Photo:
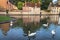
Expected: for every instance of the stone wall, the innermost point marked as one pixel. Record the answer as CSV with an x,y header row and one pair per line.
x,y
5,5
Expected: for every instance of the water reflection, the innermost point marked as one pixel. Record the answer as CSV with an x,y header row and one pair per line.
x,y
13,34
17,33
5,28
20,31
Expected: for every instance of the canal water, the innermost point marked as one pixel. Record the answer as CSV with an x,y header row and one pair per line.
x,y
42,33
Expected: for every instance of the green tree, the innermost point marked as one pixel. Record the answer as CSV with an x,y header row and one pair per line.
x,y
35,1
26,0
20,5
45,4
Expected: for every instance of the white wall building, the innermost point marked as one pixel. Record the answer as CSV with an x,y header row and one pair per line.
x,y
55,9
30,9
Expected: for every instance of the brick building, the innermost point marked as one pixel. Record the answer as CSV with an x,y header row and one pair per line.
x,y
6,5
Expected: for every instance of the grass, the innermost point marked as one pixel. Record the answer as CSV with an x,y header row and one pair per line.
x,y
4,18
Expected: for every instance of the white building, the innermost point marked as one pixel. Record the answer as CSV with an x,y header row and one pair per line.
x,y
30,9
55,9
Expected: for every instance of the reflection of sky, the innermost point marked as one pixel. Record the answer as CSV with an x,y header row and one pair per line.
x,y
45,34
42,34
13,34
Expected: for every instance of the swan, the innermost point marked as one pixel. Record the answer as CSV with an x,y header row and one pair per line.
x,y
11,23
31,34
45,25
53,32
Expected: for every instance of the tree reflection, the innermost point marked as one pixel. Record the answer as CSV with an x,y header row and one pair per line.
x,y
31,26
5,28
19,22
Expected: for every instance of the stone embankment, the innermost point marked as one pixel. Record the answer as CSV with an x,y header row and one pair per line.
x,y
32,17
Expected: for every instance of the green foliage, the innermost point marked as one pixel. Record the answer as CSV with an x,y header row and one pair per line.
x,y
31,26
20,5
19,22
45,4
34,1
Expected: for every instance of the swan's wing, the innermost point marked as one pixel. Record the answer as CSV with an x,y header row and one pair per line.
x,y
32,34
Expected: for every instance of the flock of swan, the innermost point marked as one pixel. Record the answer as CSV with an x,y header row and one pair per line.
x,y
33,34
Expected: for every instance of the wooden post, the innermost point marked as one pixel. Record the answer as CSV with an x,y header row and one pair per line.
x,y
59,14
40,16
7,13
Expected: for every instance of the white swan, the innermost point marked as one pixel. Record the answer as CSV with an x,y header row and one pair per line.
x,y
31,34
45,25
11,23
53,32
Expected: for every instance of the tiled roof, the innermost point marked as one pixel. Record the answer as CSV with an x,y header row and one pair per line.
x,y
55,5
30,4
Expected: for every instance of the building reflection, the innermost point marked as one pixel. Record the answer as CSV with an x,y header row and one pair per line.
x,y
30,27
5,28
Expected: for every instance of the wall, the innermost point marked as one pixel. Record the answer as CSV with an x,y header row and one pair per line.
x,y
3,3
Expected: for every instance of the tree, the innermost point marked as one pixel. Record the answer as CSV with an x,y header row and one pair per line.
x,y
13,2
20,5
35,1
26,0
45,4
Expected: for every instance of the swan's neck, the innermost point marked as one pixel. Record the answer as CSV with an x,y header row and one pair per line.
x,y
28,32
47,23
11,23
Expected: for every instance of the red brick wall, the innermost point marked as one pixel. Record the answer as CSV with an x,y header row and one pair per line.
x,y
3,3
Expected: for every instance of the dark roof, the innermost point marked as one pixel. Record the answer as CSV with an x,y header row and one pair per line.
x,y
58,6
55,5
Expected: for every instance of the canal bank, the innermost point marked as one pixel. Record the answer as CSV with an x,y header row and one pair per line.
x,y
32,17
6,23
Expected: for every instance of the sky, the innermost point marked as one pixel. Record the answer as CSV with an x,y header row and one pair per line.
x,y
54,0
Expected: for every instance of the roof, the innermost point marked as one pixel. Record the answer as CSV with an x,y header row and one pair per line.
x,y
57,5
30,4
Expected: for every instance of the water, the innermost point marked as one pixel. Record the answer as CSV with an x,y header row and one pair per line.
x,y
17,33
59,21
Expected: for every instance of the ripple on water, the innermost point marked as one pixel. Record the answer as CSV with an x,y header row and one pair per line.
x,y
42,34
